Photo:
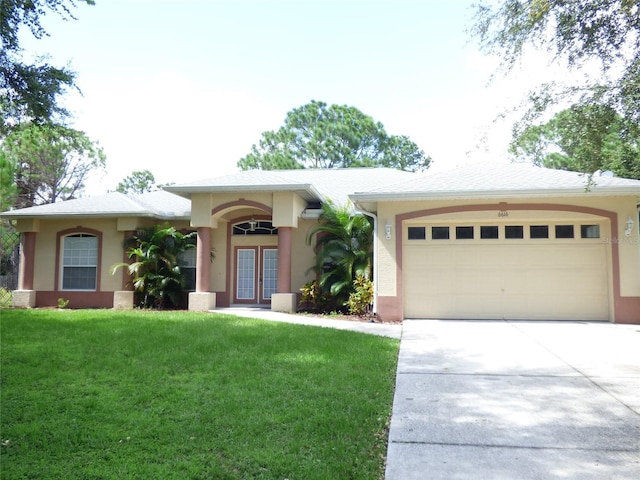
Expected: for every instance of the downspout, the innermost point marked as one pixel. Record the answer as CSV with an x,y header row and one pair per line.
x,y
375,257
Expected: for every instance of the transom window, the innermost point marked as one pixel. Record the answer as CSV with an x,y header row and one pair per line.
x,y
79,262
564,231
440,233
590,231
558,231
539,231
464,233
255,227
513,232
488,232
417,233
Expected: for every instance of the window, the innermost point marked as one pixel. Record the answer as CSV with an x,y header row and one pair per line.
x,y
488,231
590,231
79,262
187,263
255,227
464,233
513,231
564,231
539,231
440,233
417,233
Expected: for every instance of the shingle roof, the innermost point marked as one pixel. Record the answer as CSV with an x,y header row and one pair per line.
x,y
499,180
310,184
360,184
159,204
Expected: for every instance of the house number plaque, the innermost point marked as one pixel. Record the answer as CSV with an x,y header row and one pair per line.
x,y
503,213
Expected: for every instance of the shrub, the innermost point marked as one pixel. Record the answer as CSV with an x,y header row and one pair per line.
x,y
361,299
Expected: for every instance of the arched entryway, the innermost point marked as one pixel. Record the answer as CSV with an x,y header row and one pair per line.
x,y
254,262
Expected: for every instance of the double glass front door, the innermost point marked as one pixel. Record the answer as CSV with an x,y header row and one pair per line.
x,y
256,274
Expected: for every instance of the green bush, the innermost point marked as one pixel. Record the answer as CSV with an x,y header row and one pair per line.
x,y
361,299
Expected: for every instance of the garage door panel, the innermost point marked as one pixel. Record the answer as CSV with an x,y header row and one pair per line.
x,y
526,280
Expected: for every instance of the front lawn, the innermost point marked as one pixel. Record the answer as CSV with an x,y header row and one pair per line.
x,y
99,394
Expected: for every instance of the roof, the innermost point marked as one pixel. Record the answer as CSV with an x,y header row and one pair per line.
x,y
493,180
311,184
362,185
160,204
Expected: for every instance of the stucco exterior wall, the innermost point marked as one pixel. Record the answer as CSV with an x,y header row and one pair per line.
x,y
48,257
219,241
303,256
46,244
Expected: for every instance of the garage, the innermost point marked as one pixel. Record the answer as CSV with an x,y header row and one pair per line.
x,y
539,270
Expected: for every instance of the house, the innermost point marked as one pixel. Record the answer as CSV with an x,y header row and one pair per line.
x,y
487,241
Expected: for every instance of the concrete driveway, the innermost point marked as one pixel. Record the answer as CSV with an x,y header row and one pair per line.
x,y
516,400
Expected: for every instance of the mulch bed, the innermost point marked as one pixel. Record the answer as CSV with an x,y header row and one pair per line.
x,y
350,318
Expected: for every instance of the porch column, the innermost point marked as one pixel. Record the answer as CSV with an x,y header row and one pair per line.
x,y
25,296
284,259
203,260
124,299
285,300
27,260
202,300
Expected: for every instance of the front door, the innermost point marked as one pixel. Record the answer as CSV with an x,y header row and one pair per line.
x,y
256,274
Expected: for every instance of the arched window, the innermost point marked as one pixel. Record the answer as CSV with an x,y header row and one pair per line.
x,y
79,261
255,227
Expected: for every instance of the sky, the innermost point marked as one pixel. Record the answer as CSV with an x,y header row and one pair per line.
x,y
184,88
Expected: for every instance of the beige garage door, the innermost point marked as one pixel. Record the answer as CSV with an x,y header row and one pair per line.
x,y
494,278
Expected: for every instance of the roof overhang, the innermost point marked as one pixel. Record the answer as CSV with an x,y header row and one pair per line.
x,y
369,200
306,191
10,215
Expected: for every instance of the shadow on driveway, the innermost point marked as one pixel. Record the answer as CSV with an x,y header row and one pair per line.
x,y
516,400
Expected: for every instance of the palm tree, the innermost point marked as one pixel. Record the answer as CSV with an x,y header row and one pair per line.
x,y
344,250
156,274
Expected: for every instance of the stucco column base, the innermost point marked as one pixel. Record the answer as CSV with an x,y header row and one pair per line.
x,y
284,302
202,301
123,300
24,298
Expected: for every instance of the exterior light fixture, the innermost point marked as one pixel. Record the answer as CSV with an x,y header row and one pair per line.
x,y
387,231
629,224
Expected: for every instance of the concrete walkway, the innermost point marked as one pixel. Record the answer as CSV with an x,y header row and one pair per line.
x,y
516,400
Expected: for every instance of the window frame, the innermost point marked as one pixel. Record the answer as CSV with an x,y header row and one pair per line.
x,y
440,228
585,228
187,261
539,228
415,229
561,231
60,263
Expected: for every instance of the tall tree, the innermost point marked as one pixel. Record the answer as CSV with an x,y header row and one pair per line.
x,y
582,139
338,136
8,187
139,181
30,91
49,162
576,33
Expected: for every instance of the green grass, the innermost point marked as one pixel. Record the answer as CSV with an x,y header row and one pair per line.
x,y
90,394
